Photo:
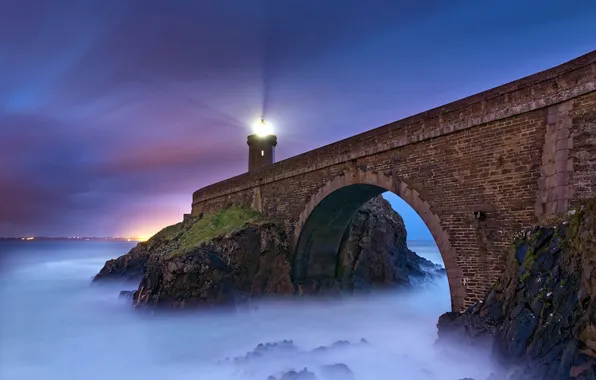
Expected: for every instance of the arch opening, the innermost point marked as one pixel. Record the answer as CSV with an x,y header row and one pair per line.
x,y
327,216
318,245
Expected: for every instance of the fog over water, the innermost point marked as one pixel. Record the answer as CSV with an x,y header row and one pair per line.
x,y
56,325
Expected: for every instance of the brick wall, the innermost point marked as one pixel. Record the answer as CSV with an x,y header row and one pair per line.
x,y
518,152
583,149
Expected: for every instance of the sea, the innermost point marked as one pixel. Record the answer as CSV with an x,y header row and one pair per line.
x,y
56,324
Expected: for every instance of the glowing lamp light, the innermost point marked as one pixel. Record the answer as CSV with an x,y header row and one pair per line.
x,y
262,129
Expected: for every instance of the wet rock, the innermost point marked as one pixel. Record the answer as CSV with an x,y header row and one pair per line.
x,y
540,316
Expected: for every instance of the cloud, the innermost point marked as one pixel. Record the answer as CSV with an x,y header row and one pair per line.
x,y
113,112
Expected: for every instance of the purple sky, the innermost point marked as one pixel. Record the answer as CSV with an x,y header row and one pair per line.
x,y
112,112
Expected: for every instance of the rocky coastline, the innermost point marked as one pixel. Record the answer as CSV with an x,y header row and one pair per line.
x,y
237,255
539,320
335,371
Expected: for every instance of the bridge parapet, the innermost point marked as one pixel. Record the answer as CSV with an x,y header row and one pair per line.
x,y
540,90
513,155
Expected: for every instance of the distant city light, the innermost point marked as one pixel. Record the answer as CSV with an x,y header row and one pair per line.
x,y
262,129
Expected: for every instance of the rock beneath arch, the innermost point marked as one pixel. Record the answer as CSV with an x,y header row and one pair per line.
x,y
237,254
374,252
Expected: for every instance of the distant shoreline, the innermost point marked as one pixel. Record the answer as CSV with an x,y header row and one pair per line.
x,y
30,239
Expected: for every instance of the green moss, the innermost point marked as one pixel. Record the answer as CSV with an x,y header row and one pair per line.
x,y
529,259
168,233
542,294
214,225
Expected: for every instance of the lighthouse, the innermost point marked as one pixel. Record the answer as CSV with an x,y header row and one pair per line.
x,y
261,146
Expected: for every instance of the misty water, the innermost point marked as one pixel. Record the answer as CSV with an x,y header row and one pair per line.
x,y
56,325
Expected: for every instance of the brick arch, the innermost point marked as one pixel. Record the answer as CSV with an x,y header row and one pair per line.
x,y
351,191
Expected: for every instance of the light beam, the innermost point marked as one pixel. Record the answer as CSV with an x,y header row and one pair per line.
x,y
262,129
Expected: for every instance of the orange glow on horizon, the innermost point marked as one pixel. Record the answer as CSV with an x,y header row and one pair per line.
x,y
144,227
138,238
145,233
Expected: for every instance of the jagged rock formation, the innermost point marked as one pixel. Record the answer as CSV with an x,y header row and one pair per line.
x,y
305,374
127,268
131,266
227,257
336,371
540,317
373,250
250,261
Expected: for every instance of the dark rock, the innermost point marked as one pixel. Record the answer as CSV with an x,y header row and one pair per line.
x,y
373,251
262,349
126,294
226,270
519,331
520,253
131,266
339,344
541,313
305,374
126,268
338,371
179,269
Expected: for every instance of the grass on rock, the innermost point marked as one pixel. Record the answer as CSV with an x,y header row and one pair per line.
x,y
213,225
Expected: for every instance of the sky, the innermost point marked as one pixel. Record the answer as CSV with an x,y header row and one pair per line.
x,y
112,112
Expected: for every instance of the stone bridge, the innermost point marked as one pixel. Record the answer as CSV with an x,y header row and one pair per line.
x,y
476,171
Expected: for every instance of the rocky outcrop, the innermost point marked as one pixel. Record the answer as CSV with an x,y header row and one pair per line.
x,y
337,371
287,348
305,374
131,266
248,262
127,268
540,318
374,251
237,254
